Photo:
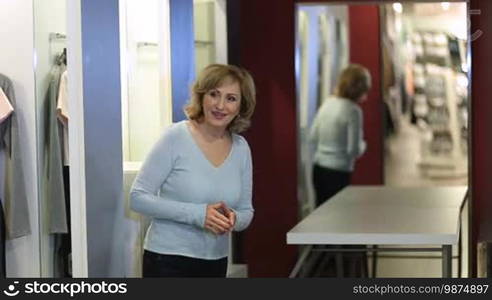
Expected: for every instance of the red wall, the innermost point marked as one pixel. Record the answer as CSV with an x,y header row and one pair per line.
x,y
266,38
365,49
481,165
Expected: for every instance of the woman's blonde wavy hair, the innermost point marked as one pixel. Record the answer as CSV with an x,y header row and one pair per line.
x,y
214,76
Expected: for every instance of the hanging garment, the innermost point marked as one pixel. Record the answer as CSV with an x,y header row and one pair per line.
x,y
57,151
15,198
63,242
3,260
53,179
62,113
6,110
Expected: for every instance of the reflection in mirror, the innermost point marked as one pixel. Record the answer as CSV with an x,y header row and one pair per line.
x,y
146,93
321,54
426,94
52,131
426,97
416,116
204,31
19,232
210,32
146,106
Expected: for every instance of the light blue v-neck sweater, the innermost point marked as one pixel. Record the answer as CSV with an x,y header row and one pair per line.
x,y
174,186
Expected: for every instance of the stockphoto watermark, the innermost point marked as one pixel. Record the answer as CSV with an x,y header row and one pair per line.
x,y
66,288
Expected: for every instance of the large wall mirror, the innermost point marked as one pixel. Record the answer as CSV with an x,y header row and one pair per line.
x,y
50,45
416,116
150,68
19,252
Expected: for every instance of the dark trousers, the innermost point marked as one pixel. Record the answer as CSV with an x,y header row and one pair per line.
x,y
327,182
163,265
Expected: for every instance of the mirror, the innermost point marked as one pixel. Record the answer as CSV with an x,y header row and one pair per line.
x,y
417,113
50,44
147,81
19,253
145,107
321,53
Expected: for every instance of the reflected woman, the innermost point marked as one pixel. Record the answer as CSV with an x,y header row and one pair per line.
x,y
196,183
337,133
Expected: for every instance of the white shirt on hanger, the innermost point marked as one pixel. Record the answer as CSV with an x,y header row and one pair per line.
x,y
62,111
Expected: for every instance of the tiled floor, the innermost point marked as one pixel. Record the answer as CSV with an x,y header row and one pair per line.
x,y
401,169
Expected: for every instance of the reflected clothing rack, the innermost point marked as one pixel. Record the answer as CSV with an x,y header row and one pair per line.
x,y
16,221
147,44
57,36
55,179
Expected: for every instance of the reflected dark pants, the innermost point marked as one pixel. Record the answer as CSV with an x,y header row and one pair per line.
x,y
63,241
327,182
163,265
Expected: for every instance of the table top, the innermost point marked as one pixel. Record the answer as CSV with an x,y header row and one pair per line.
x,y
381,215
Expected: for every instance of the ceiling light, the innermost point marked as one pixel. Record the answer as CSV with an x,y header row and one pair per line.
x,y
398,7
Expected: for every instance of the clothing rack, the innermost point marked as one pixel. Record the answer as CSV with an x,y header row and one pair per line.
x,y
152,44
147,44
204,43
57,36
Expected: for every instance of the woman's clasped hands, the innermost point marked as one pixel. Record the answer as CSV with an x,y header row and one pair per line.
x,y
219,218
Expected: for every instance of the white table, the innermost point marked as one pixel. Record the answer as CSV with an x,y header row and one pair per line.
x,y
380,215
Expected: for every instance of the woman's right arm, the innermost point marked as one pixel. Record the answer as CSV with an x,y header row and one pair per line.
x,y
314,134
144,193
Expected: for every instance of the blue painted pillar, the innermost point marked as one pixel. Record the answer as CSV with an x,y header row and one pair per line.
x,y
102,128
182,54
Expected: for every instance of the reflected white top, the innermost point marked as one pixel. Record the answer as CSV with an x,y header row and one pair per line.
x,y
337,135
174,186
62,112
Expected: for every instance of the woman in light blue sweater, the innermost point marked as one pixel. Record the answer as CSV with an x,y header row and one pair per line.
x,y
337,133
196,183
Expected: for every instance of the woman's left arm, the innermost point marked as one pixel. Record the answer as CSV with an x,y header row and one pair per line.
x,y
244,210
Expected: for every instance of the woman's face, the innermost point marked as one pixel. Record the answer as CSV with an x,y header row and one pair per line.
x,y
222,104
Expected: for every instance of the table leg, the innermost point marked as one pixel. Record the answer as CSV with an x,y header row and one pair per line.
x,y
300,262
446,261
339,264
374,260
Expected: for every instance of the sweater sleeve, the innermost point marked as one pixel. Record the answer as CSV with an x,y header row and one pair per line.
x,y
244,210
356,144
144,196
314,133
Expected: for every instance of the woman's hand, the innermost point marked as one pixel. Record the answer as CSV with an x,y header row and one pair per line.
x,y
231,215
218,218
